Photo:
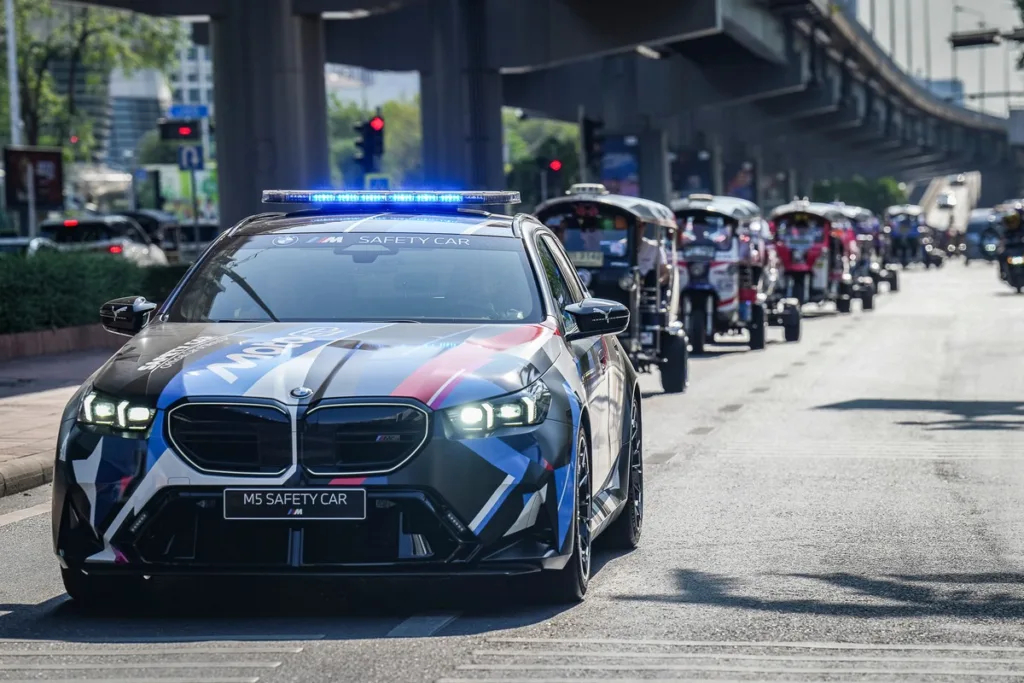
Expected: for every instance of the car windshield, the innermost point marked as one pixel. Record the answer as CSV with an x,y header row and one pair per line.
x,y
323,277
593,233
705,227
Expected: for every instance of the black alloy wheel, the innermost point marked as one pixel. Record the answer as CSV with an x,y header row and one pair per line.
x,y
625,532
569,584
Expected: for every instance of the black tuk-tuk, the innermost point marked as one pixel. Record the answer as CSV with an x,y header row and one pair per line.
x,y
625,250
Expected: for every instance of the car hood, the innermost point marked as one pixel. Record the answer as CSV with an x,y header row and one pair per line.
x,y
437,364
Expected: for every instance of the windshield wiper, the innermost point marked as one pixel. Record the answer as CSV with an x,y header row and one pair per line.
x,y
240,281
418,322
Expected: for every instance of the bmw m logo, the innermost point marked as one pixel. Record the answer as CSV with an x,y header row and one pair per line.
x,y
388,438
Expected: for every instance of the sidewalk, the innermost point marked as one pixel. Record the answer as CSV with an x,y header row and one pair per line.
x,y
33,393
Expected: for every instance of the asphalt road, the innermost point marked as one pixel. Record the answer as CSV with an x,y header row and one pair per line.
x,y
849,508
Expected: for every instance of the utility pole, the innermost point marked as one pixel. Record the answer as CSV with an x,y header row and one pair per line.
x,y
910,42
927,43
892,29
872,18
12,72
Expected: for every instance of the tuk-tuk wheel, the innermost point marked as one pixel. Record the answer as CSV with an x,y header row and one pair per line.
x,y
791,324
698,332
868,301
674,365
843,304
894,281
757,328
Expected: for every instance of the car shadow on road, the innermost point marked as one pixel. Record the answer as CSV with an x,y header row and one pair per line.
x,y
991,596
252,608
954,415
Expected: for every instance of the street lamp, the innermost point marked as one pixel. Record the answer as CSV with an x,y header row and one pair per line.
x,y
979,38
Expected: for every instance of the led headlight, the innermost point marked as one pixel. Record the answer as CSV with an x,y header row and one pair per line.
x,y
105,411
1015,260
522,409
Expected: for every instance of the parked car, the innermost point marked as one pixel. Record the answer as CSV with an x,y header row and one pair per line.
x,y
958,180
117,235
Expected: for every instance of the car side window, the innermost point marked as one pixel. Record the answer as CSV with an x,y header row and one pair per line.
x,y
572,278
557,282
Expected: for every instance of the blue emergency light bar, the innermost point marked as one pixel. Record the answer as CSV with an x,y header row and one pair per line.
x,y
392,198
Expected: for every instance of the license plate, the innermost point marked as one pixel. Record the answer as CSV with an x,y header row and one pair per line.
x,y
270,504
587,259
699,253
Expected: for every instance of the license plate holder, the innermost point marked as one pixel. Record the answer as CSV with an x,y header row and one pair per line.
x,y
270,504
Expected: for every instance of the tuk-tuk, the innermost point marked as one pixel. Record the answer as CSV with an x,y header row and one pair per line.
x,y
728,273
812,240
616,243
911,238
870,261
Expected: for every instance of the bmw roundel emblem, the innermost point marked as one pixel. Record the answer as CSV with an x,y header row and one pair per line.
x,y
285,240
302,392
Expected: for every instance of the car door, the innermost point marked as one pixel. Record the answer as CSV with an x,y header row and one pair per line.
x,y
591,355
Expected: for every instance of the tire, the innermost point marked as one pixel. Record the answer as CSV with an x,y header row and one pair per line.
x,y
103,592
868,301
792,325
625,531
843,304
699,333
673,369
894,282
757,328
569,584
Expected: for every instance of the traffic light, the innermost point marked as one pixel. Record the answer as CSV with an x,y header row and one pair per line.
x,y
593,142
180,130
370,143
555,165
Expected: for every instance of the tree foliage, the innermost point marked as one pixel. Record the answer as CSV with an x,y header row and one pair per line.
x,y
152,150
874,194
65,52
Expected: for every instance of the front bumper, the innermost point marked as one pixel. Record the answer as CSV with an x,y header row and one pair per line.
x,y
496,505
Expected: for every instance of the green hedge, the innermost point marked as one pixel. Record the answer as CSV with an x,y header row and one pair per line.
x,y
50,291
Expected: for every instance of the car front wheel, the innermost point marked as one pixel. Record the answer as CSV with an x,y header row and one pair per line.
x,y
569,584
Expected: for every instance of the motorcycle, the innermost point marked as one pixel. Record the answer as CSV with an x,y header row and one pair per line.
x,y
1012,267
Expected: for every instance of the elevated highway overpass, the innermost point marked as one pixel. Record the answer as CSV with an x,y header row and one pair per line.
x,y
799,89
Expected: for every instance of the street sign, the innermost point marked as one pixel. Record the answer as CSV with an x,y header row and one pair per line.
x,y
190,158
377,181
188,111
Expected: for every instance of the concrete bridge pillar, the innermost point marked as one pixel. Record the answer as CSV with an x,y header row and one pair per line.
x,y
270,100
655,175
461,98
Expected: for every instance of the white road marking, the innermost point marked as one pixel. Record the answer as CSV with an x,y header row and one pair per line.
x,y
27,513
605,654
154,652
422,626
769,456
247,679
765,644
148,665
198,638
580,666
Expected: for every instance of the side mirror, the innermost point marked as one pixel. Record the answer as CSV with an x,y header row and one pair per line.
x,y
126,316
595,317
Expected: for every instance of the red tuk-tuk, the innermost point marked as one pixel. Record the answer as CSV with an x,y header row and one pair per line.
x,y
816,246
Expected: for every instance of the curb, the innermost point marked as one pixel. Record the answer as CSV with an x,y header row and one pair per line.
x,y
22,474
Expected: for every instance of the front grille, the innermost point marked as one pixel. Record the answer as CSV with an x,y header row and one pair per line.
x,y
187,528
348,439
243,439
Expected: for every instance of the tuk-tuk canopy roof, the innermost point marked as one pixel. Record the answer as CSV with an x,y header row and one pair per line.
x,y
731,206
904,210
827,211
856,213
648,210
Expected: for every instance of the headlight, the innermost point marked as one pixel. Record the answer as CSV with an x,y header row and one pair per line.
x,y
627,282
104,411
522,409
1015,260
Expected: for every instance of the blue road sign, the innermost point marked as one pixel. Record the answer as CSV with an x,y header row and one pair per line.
x,y
190,157
188,111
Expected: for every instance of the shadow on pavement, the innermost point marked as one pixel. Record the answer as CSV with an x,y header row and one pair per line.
x,y
964,415
867,597
43,373
256,608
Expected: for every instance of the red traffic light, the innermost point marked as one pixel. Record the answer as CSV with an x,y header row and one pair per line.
x,y
377,123
74,139
184,131
555,165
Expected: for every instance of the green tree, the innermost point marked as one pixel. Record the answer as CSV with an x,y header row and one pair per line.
x,y
403,142
874,194
78,42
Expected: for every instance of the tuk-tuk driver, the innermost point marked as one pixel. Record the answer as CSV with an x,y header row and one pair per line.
x,y
650,256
